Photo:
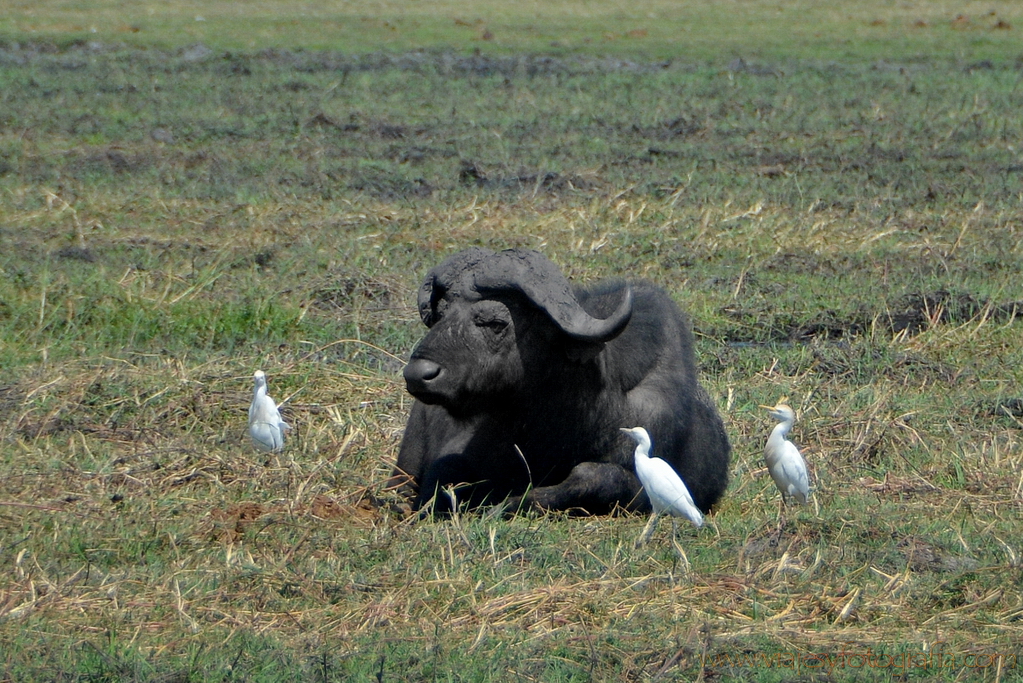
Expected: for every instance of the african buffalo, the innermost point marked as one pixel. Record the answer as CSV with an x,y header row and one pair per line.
x,y
523,382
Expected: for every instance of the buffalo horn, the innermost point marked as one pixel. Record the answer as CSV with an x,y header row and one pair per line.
x,y
531,273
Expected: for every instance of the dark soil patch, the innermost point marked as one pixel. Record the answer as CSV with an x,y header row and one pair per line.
x,y
77,254
472,173
263,258
1008,407
382,185
32,428
323,121
808,263
389,131
927,557
419,154
924,556
910,314
828,326
108,161
679,127
916,311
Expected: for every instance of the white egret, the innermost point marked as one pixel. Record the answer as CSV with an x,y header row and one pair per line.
x,y
784,462
665,489
265,424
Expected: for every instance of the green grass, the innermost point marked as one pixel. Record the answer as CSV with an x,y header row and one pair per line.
x,y
652,29
839,214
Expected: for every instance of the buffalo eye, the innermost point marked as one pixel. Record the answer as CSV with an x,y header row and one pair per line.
x,y
495,326
491,317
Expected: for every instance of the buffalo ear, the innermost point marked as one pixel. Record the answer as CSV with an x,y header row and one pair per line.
x,y
581,352
430,293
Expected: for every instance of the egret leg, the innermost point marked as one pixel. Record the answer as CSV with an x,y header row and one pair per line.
x,y
648,530
686,567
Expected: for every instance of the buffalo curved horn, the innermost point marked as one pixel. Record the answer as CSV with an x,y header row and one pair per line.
x,y
531,273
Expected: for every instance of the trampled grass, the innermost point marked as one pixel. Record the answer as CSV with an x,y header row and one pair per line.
x,y
846,234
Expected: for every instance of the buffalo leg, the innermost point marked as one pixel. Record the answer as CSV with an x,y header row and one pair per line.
x,y
455,473
595,487
459,473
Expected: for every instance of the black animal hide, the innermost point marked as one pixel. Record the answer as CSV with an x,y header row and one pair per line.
x,y
522,383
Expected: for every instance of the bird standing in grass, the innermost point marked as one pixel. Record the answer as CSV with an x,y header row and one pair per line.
x,y
784,462
265,424
665,489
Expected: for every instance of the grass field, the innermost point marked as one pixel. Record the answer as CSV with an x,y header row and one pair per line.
x,y
835,196
649,29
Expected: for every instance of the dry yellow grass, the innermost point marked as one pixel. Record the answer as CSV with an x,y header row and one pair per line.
x,y
166,527
142,538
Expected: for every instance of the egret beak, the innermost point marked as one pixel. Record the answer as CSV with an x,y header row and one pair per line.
x,y
783,399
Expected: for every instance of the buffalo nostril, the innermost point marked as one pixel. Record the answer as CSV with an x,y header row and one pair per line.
x,y
429,370
421,371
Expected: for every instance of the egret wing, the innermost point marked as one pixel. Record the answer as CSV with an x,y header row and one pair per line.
x,y
266,436
670,492
265,424
793,470
264,410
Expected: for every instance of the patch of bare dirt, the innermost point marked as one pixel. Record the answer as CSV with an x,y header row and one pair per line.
x,y
473,173
927,557
910,314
